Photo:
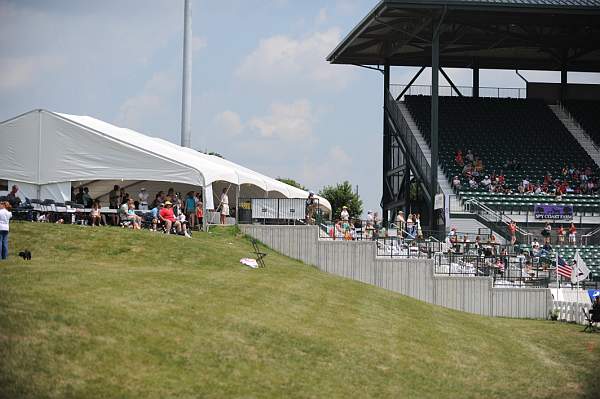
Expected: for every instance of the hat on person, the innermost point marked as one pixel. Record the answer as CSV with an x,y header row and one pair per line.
x,y
168,203
311,193
142,189
344,207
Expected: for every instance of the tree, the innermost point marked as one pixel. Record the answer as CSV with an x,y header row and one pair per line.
x,y
291,182
339,195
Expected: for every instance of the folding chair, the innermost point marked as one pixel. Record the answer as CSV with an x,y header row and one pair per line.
x,y
590,319
259,255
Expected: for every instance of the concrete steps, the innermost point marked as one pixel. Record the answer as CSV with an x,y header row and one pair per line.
x,y
577,131
442,178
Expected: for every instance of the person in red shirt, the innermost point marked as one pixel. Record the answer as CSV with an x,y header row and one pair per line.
x,y
572,234
459,158
512,229
167,216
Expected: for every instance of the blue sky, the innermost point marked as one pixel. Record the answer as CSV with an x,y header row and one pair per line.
x,y
263,94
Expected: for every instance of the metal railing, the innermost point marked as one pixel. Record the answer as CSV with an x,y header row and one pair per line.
x,y
591,238
467,91
506,270
400,125
496,218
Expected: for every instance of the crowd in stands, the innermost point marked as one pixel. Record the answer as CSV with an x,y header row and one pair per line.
x,y
571,180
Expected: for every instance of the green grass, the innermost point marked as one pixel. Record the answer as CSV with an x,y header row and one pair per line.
x,y
113,313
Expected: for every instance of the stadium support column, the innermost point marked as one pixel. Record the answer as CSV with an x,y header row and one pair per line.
x,y
563,83
475,82
435,66
387,152
186,102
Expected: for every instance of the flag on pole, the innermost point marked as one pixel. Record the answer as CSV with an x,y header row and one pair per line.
x,y
563,268
580,269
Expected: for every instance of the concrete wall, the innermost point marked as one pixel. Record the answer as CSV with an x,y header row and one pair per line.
x,y
411,277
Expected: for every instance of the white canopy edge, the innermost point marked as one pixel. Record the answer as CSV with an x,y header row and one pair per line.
x,y
208,167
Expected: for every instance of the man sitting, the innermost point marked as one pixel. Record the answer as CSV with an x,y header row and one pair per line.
x,y
167,216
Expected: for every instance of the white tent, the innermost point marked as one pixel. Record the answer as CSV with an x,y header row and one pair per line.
x,y
45,152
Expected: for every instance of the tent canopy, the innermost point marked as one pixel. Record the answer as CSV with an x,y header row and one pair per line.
x,y
42,148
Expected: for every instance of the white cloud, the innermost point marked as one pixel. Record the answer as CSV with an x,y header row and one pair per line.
x,y
290,122
339,156
150,103
283,59
228,123
20,72
321,16
198,43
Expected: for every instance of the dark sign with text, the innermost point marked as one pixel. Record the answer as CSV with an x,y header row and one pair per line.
x,y
554,212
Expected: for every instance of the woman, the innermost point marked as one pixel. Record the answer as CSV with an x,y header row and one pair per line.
x,y
410,226
546,232
190,209
95,216
5,217
224,206
418,226
572,234
561,235
132,217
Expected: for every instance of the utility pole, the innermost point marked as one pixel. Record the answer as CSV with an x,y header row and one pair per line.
x,y
186,101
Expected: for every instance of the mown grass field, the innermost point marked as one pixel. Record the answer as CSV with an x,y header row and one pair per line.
x,y
112,313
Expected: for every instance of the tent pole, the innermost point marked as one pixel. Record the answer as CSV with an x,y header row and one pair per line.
x,y
204,214
237,204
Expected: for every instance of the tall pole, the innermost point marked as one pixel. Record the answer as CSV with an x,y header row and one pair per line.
x,y
386,144
435,66
186,101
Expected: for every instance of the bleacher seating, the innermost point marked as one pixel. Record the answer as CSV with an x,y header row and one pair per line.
x,y
586,113
501,129
590,255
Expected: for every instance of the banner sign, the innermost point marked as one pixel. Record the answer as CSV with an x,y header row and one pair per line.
x,y
593,294
555,212
278,208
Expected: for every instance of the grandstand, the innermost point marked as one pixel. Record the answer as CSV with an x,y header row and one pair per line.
x,y
540,145
586,113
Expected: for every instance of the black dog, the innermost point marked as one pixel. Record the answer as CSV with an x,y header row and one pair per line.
x,y
26,255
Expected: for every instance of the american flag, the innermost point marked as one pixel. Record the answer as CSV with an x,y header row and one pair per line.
x,y
563,268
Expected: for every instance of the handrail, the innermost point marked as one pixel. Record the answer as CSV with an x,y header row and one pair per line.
x,y
400,124
499,217
484,91
578,125
586,237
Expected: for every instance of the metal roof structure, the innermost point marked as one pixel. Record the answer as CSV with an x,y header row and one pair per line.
x,y
493,34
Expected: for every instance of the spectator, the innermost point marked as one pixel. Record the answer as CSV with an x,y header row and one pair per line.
x,y
123,211
114,199
525,183
486,182
153,216
199,213
469,157
344,214
190,208
400,223
546,233
143,199
5,216
310,205
473,183
418,226
15,197
158,199
167,216
561,235
95,215
79,196
135,220
459,158
572,234
456,183
410,226
224,205
512,230
86,199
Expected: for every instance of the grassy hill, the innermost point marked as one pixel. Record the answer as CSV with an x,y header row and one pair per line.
x,y
107,312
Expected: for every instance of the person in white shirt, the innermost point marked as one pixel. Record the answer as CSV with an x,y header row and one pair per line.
x,y
5,217
486,182
525,184
143,200
344,214
224,206
456,182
